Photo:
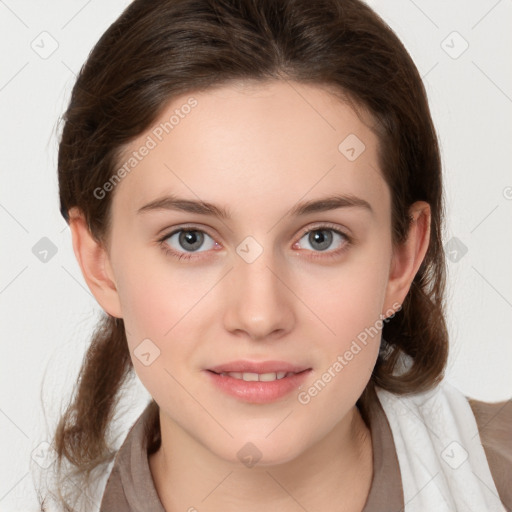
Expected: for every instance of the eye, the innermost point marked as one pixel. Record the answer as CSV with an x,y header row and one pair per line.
x,y
183,243
187,240
321,238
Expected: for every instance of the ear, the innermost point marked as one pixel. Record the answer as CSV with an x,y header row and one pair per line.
x,y
94,262
407,257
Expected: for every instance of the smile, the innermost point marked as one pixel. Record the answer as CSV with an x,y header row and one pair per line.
x,y
258,388
253,377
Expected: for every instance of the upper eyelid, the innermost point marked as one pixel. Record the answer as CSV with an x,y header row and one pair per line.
x,y
319,225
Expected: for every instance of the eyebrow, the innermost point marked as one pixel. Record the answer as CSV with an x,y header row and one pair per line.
x,y
204,208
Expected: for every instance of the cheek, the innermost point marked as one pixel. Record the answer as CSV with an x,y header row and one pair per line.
x,y
350,308
143,301
349,303
157,295
347,299
156,321
163,304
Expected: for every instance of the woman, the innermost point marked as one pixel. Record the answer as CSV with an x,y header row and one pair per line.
x,y
254,191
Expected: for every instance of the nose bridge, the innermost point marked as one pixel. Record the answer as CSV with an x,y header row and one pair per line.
x,y
259,301
255,271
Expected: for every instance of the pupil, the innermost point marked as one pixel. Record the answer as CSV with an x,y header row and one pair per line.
x,y
191,238
318,237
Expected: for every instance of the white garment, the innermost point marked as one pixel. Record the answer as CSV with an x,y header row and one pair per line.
x,y
440,454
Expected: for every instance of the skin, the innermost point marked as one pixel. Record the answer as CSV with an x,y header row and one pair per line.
x,y
256,149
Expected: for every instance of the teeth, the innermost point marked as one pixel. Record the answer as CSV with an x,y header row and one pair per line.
x,y
267,377
253,377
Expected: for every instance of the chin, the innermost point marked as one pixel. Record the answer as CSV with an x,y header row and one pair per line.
x,y
255,451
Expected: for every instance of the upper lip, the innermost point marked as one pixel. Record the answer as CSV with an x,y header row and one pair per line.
x,y
258,367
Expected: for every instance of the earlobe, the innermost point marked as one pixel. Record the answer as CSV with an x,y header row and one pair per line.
x,y
94,264
408,257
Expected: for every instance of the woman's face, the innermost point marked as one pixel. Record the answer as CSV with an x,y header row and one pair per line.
x,y
272,281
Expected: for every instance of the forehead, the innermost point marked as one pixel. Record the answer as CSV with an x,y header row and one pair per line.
x,y
253,144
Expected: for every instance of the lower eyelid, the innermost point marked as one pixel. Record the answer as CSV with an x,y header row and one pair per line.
x,y
178,231
344,238
178,254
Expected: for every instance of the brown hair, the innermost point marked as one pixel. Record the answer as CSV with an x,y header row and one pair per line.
x,y
157,50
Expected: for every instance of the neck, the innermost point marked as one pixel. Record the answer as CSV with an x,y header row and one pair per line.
x,y
193,478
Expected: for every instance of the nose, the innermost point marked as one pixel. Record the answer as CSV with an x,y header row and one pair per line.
x,y
259,302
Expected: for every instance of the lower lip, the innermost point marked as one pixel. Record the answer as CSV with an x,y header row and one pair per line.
x,y
255,391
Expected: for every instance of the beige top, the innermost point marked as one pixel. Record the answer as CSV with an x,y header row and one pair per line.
x,y
130,486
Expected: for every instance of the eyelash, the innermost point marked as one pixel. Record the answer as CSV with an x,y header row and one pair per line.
x,y
323,255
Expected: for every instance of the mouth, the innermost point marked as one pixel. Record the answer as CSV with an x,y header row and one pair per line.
x,y
251,371
258,382
258,377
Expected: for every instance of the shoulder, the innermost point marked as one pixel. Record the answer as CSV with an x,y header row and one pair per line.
x,y
494,421
130,486
114,497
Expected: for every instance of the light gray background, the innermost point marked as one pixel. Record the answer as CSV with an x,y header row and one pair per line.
x,y
47,311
